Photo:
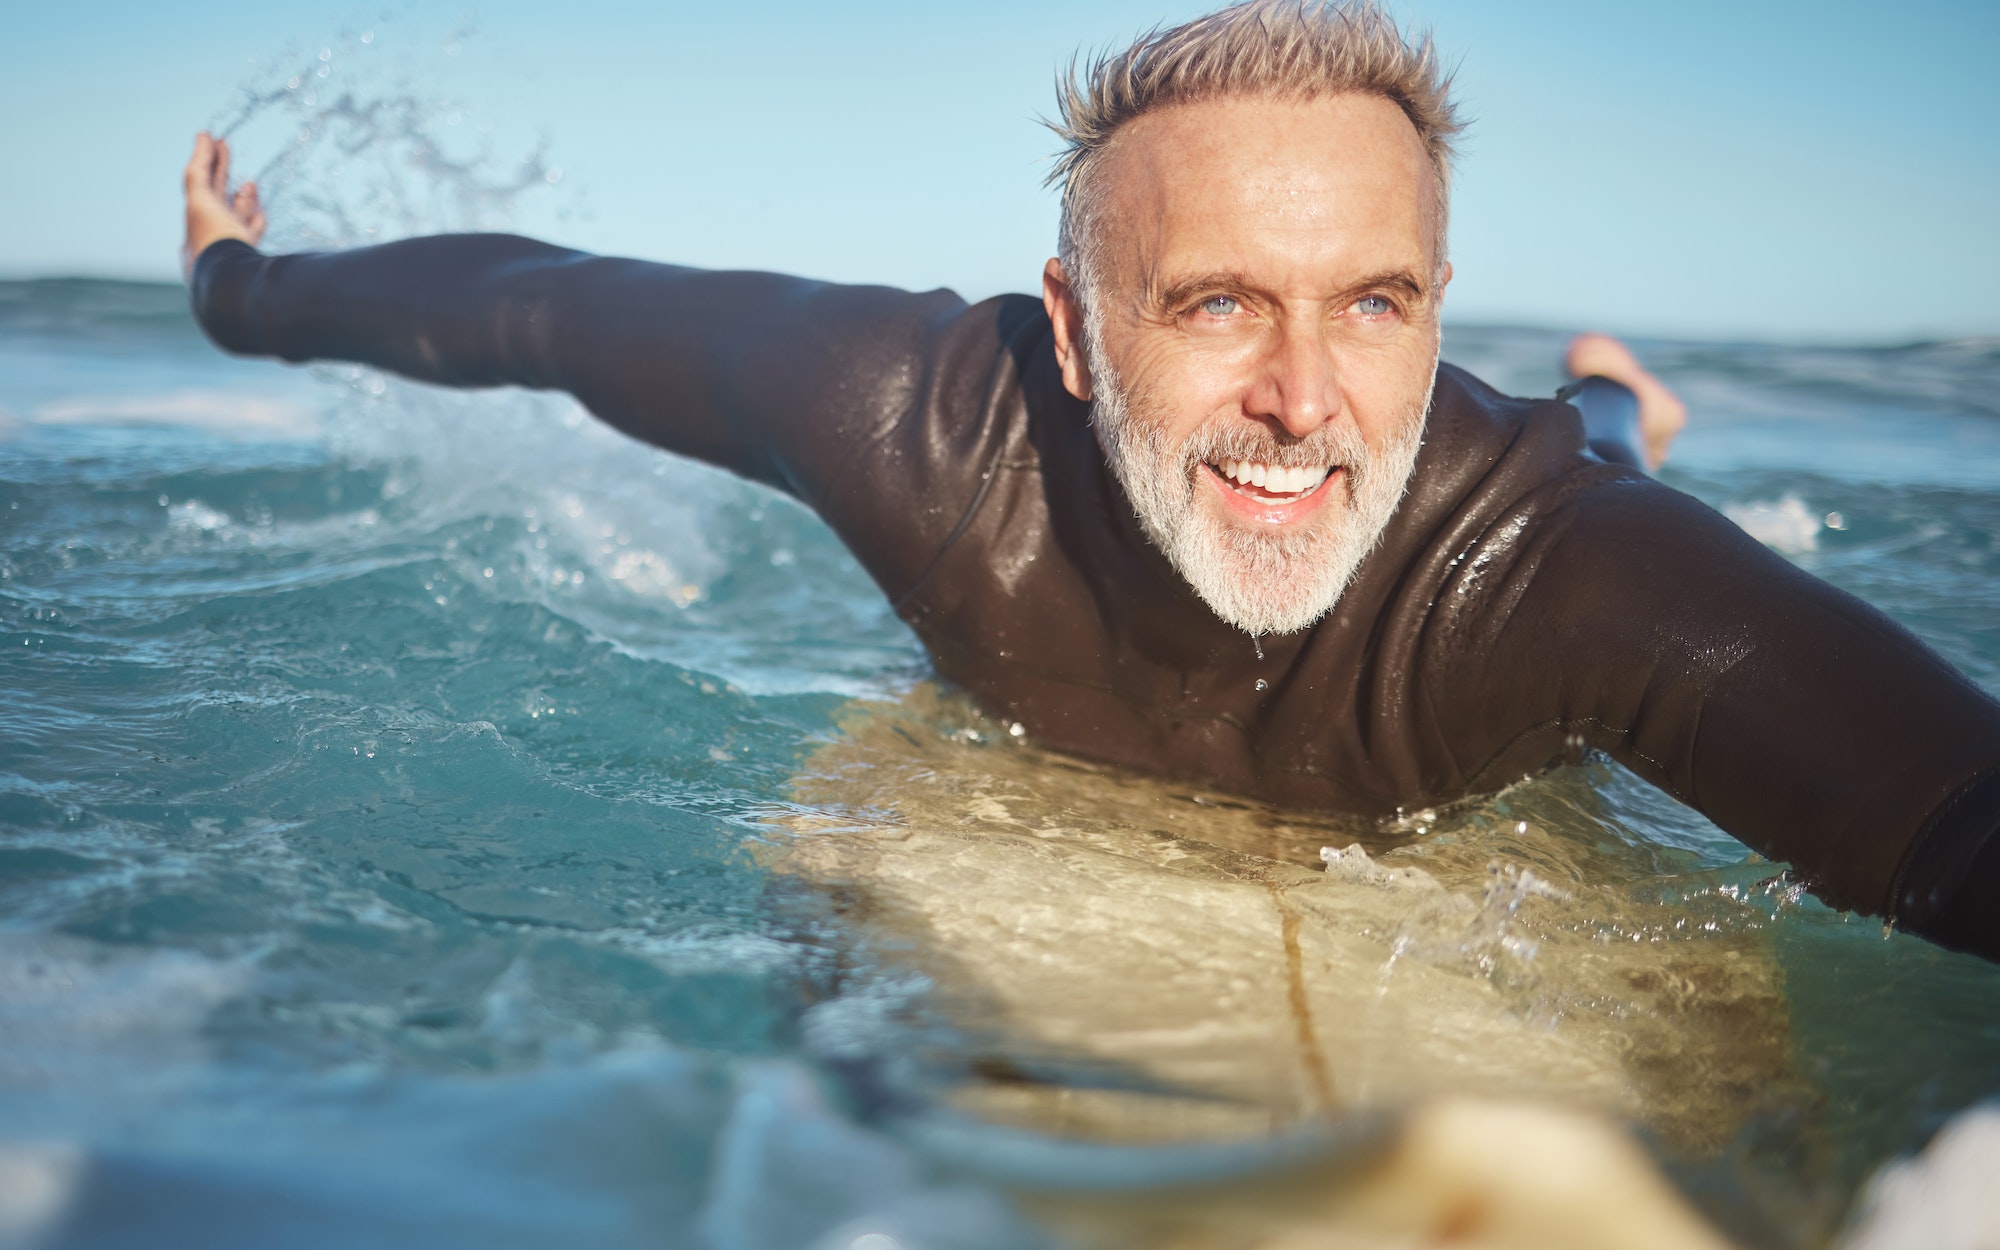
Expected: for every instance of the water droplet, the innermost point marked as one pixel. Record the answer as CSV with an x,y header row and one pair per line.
x,y
554,175
368,36
1017,729
1835,521
326,54
1262,684
1257,644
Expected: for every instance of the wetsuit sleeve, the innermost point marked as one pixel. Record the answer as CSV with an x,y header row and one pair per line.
x,y
1799,719
779,379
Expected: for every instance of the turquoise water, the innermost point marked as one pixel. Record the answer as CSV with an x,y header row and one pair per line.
x,y
382,773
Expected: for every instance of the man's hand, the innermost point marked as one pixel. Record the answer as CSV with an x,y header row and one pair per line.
x,y
212,211
1661,413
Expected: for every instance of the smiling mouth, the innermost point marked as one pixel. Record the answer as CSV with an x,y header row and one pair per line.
x,y
1270,483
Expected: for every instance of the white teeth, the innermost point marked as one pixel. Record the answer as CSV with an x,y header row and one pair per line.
x,y
1278,481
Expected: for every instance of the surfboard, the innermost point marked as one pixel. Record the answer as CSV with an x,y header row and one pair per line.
x,y
1127,959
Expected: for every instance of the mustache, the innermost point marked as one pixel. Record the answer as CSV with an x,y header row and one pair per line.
x,y
1331,444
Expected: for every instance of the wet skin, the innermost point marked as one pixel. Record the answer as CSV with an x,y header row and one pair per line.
x,y
1268,265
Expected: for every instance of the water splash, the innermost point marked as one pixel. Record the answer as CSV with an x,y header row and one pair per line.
x,y
1446,930
1786,525
352,143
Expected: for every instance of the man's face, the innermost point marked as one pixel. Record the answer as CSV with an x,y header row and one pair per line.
x,y
1263,339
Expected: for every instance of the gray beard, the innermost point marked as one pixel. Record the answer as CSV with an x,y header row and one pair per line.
x,y
1274,583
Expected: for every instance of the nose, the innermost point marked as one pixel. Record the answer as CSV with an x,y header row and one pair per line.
x,y
1298,381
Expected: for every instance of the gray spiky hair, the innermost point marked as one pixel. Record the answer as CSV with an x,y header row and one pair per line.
x,y
1283,49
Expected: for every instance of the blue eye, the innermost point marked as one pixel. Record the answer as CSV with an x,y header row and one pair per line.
x,y
1219,305
1373,306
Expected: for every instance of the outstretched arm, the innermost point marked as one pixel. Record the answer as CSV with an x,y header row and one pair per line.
x,y
1796,717
779,379
863,402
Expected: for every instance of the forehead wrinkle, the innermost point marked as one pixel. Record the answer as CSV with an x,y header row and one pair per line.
x,y
1147,166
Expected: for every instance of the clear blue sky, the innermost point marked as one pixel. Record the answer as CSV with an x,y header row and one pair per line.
x,y
1825,170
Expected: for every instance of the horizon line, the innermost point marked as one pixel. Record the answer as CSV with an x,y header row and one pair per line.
x,y
1476,321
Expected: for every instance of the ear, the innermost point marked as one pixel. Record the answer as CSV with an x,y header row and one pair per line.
x,y
1066,315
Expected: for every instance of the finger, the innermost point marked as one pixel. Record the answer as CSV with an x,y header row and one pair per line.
x,y
219,180
251,214
1664,418
250,211
195,176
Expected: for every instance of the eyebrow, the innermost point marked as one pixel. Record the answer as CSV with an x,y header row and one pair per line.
x,y
1181,292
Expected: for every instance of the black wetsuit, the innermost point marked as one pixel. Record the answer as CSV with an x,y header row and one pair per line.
x,y
1529,600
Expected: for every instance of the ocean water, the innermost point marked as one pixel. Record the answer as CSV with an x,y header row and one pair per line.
x,y
431,819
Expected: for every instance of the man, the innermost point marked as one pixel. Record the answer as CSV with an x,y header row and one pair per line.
x,y
1212,507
